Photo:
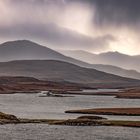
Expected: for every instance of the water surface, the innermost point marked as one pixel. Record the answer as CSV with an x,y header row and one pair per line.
x,y
32,106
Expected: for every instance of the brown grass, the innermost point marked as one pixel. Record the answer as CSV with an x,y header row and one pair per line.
x,y
128,95
108,111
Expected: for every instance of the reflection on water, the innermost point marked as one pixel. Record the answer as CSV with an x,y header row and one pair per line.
x,y
101,90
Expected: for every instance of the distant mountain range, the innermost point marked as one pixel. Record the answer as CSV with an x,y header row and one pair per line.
x,y
109,58
28,50
117,71
60,71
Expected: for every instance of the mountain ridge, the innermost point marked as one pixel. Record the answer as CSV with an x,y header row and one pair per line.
x,y
58,70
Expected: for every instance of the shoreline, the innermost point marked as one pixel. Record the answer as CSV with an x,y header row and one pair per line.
x,y
80,121
108,111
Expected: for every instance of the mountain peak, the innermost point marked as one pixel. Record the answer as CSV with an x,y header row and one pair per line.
x,y
115,53
26,49
110,52
17,42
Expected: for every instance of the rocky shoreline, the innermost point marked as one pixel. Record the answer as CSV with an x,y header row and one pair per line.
x,y
80,121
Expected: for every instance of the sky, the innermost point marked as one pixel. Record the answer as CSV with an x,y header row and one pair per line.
x,y
91,25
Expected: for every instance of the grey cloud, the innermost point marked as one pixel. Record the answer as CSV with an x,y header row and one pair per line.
x,y
37,2
107,12
57,36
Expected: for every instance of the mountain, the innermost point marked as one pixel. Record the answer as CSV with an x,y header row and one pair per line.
x,y
28,50
59,71
109,58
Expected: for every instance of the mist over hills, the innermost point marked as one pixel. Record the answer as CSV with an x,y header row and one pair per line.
x,y
109,58
28,50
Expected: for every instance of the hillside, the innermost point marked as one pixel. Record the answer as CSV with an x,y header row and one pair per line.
x,y
19,79
117,71
58,71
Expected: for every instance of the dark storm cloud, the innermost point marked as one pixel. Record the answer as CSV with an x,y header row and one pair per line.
x,y
117,12
57,36
114,12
